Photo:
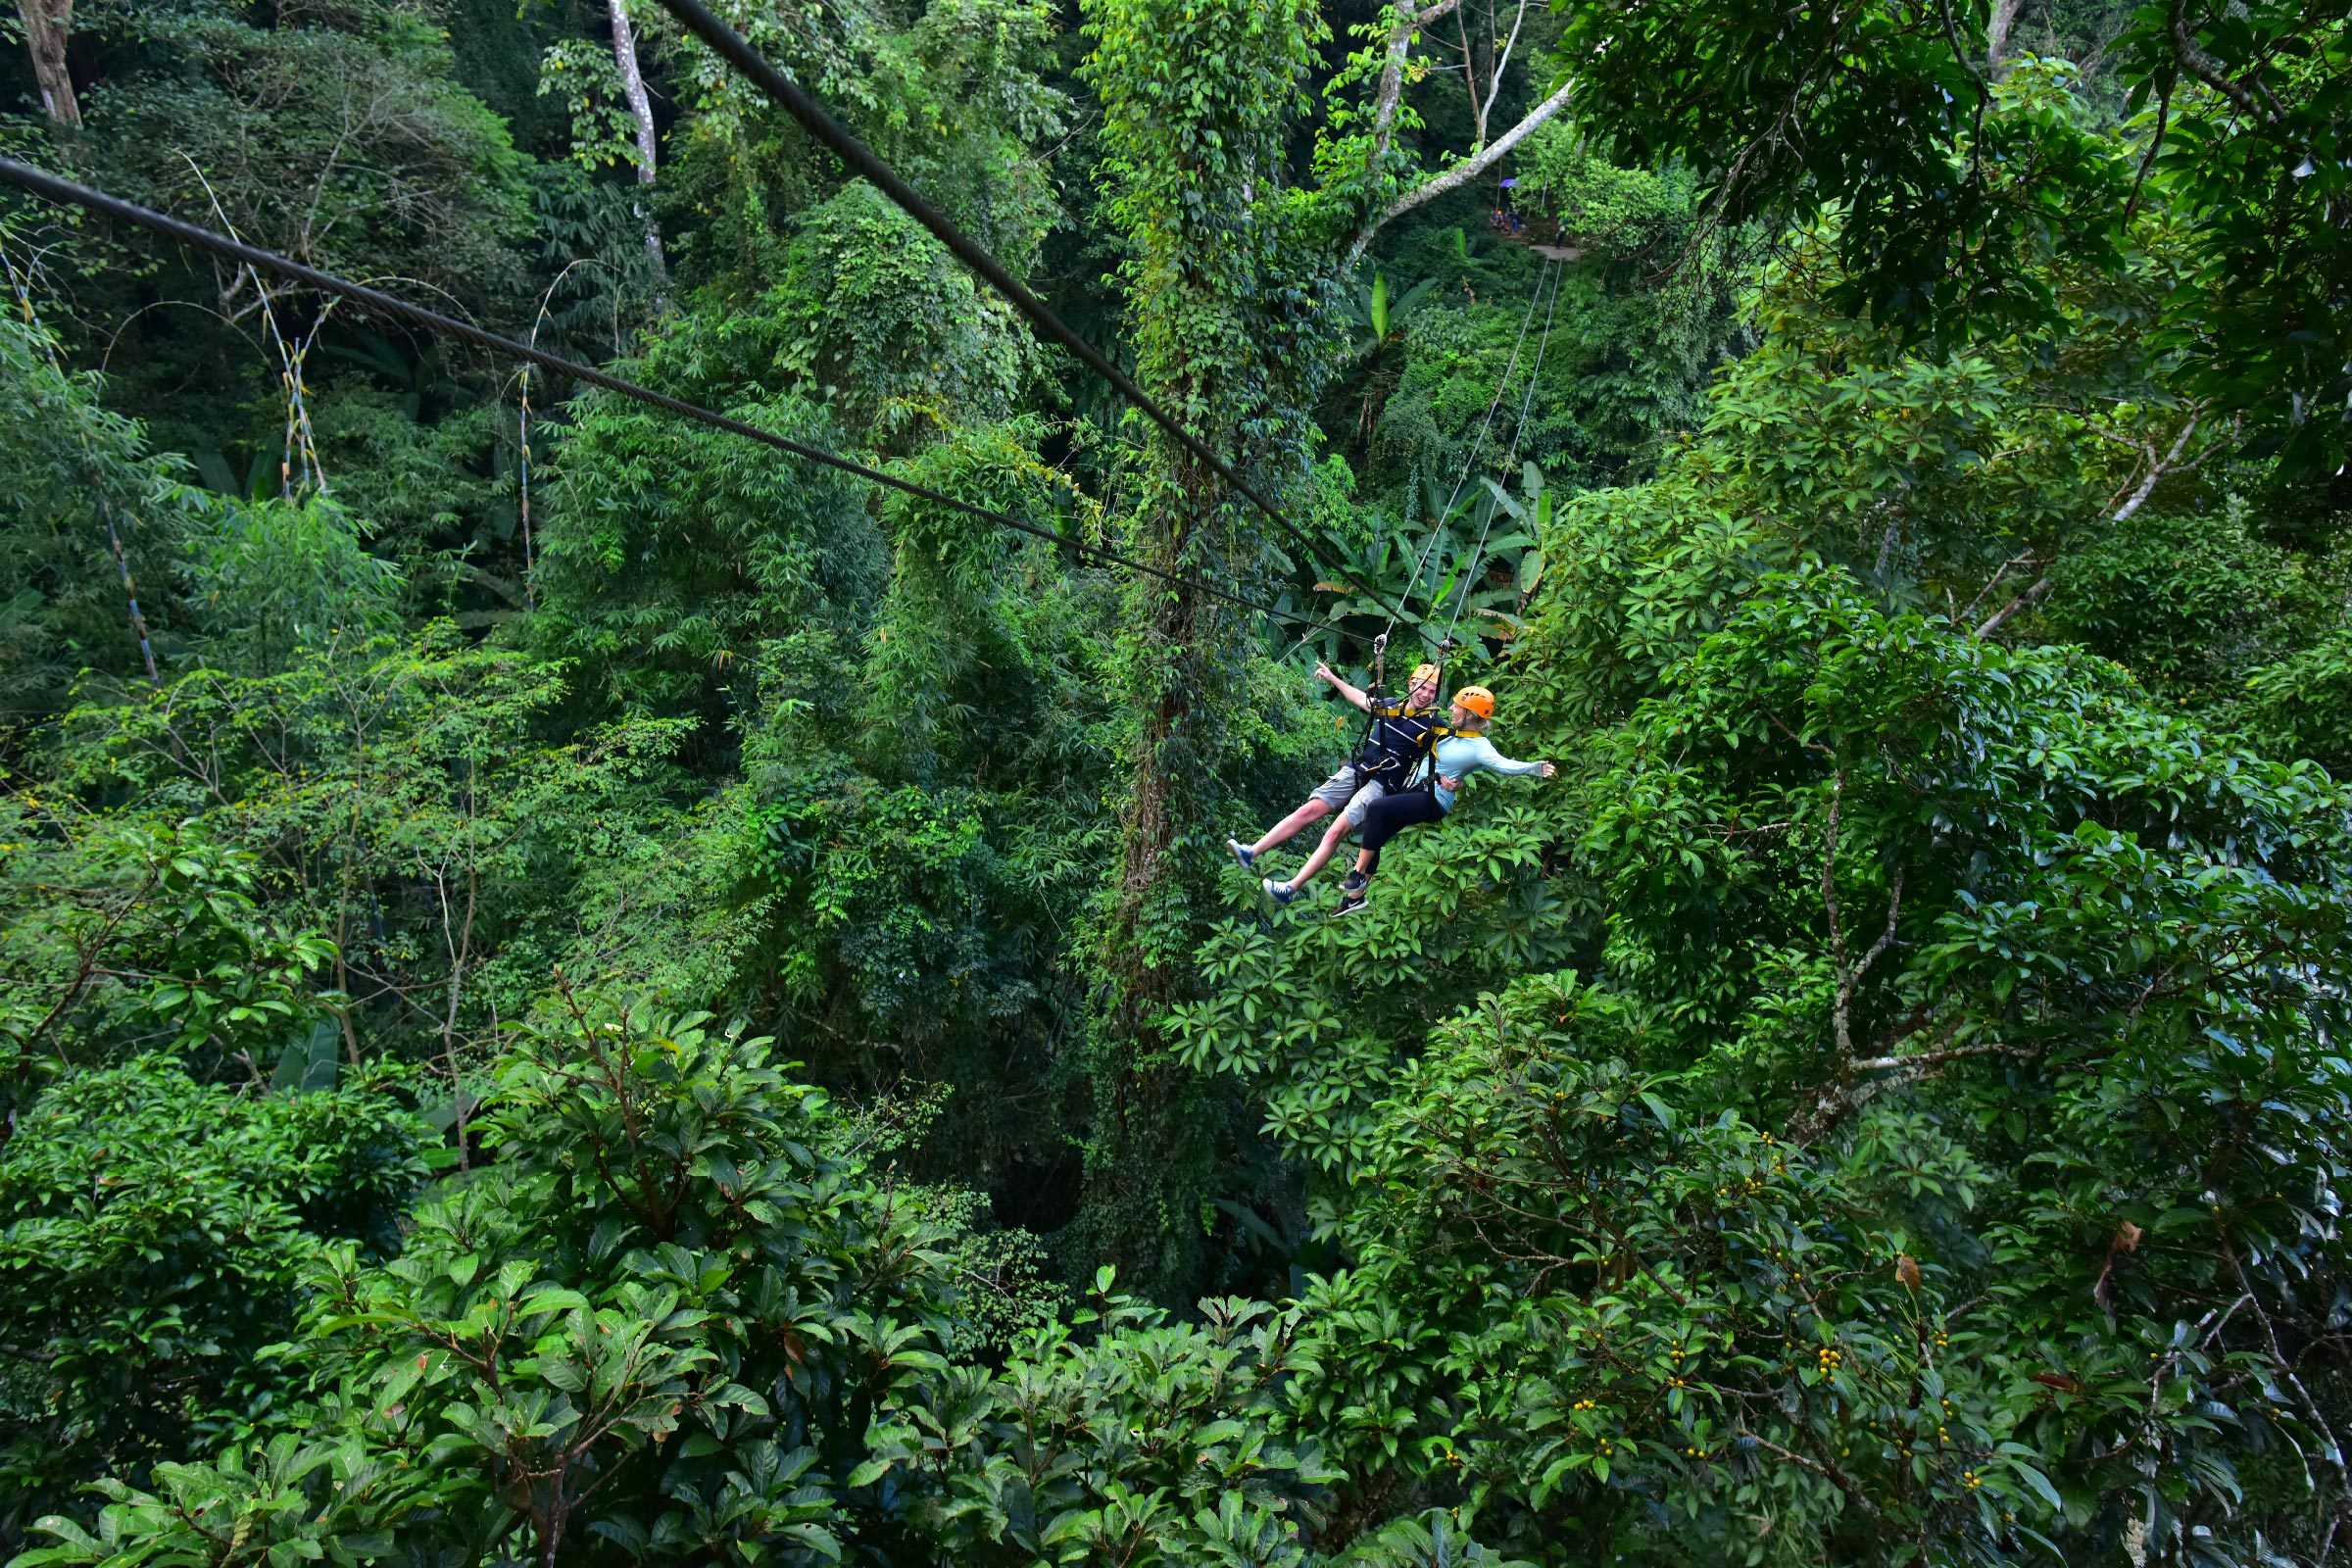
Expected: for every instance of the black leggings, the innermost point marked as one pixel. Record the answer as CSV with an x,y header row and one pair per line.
x,y
1391,816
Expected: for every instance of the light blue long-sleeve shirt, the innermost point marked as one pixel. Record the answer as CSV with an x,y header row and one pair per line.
x,y
1458,756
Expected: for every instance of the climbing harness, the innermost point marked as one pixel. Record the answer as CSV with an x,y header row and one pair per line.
x,y
1382,764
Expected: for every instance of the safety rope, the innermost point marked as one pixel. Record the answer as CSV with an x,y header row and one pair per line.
x,y
737,51
66,192
1477,552
1502,386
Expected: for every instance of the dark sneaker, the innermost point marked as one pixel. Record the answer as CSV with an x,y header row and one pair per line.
x,y
1279,892
1242,852
1355,882
1352,903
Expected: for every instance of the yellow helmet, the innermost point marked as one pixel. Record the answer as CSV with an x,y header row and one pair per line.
x,y
1423,672
1478,699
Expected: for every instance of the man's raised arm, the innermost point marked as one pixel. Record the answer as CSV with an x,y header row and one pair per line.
x,y
1323,674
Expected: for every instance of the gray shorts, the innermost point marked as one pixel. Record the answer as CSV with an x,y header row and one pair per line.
x,y
1343,793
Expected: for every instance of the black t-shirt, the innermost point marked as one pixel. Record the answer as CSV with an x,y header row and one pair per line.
x,y
1397,743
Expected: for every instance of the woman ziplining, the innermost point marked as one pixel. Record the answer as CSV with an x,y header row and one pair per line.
x,y
1396,739
1352,786
1461,750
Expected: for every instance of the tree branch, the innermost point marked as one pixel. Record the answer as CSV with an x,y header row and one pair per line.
x,y
2207,70
1996,31
2158,468
48,26
1915,1065
1494,78
1390,95
1461,173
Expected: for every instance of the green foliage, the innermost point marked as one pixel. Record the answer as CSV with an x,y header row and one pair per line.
x,y
2028,971
120,934
2192,604
403,798
2302,706
1881,1103
2253,107
1581,1310
893,334
1145,1440
1612,368
681,575
664,1323
1225,281
156,1230
266,580
659,1322
336,134
1600,204
954,95
70,469
435,486
1950,189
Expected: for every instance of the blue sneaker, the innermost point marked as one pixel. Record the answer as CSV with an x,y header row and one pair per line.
x,y
1279,892
1242,852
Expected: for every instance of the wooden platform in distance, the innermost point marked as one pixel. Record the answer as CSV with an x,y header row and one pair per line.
x,y
1557,253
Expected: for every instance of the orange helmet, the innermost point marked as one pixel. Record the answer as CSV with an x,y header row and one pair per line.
x,y
1478,699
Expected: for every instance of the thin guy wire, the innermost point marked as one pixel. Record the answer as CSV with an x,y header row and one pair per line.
x,y
737,51
1502,386
53,188
1478,551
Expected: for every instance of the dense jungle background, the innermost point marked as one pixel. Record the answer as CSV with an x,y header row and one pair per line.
x,y
576,989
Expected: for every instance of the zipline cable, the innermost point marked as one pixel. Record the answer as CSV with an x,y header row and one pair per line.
x,y
65,193
1477,552
1502,386
737,51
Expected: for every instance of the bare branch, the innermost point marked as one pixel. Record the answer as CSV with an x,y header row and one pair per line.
x,y
2207,70
641,110
1917,1066
1463,172
2158,470
1986,592
1390,95
2158,467
1494,81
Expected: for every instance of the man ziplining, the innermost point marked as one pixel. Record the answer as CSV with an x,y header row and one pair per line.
x,y
1440,756
1461,750
1394,742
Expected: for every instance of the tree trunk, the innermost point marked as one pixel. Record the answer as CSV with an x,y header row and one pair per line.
x,y
47,25
1152,1151
1214,280
1997,31
641,108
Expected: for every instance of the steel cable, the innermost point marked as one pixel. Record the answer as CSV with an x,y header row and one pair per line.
x,y
737,51
1502,386
55,189
1518,433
